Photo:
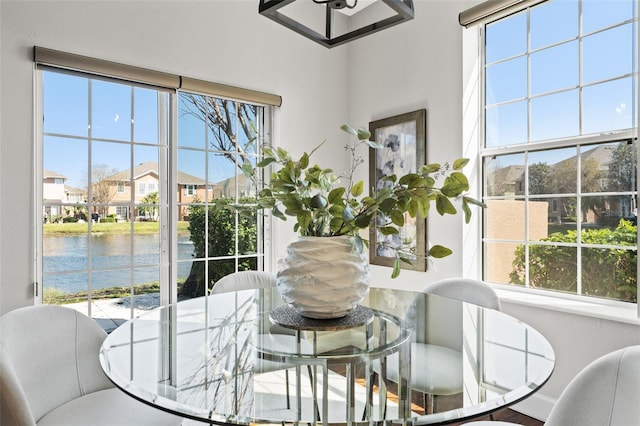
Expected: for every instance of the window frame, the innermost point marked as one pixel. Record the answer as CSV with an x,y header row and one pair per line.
x,y
169,202
483,153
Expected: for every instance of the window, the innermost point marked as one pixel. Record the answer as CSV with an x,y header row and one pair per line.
x,y
190,190
560,148
102,135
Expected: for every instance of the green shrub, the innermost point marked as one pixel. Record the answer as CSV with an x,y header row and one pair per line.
x,y
609,273
222,242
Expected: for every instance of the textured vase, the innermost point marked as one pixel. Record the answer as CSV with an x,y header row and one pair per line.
x,y
323,277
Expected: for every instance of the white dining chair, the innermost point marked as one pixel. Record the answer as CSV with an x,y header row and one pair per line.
x,y
277,338
436,362
50,374
605,392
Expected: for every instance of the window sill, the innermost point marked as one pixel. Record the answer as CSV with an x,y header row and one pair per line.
x,y
621,312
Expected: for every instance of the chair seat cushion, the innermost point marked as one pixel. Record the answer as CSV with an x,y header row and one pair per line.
x,y
439,371
110,407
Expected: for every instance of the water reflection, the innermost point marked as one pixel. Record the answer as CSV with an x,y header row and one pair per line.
x,y
63,255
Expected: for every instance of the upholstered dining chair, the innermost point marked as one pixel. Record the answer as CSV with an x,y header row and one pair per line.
x,y
278,337
605,392
50,374
442,346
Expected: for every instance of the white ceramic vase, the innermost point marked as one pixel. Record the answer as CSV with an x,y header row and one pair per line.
x,y
323,277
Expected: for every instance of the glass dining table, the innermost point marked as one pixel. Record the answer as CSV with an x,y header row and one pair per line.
x,y
243,358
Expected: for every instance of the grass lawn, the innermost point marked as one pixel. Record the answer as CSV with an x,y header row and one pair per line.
x,y
108,228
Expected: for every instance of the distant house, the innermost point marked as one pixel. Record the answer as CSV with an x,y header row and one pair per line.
x,y
596,176
145,182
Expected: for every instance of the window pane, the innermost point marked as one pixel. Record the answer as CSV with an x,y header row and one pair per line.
x,y
66,159
506,80
506,124
249,138
504,175
146,115
620,174
609,106
553,171
505,219
192,113
609,273
111,110
73,93
599,212
554,68
552,267
506,37
555,116
500,258
223,125
597,14
607,54
561,218
552,22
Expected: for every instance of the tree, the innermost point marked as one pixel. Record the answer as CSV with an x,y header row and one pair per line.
x,y
623,167
150,206
103,187
539,178
224,118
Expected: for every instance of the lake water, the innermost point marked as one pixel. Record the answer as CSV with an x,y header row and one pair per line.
x,y
110,253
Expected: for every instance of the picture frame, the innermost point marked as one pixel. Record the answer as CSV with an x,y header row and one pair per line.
x,y
403,140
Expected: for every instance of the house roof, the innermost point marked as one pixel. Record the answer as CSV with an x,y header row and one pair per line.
x,y
48,174
151,167
73,190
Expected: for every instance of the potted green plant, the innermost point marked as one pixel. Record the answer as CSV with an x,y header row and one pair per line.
x,y
324,204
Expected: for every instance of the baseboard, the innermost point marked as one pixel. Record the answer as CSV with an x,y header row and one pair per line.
x,y
537,406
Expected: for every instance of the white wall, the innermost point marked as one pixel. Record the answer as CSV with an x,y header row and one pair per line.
x,y
419,64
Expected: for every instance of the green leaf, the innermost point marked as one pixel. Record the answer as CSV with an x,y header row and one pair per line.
x,y
357,189
473,201
304,219
444,206
396,217
460,163
389,178
363,134
304,161
266,161
277,213
439,252
388,230
247,170
429,168
374,144
396,268
349,129
363,221
336,194
467,211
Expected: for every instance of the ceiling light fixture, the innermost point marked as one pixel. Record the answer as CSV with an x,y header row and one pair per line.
x,y
402,11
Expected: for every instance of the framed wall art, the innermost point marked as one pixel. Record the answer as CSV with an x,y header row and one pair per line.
x,y
403,140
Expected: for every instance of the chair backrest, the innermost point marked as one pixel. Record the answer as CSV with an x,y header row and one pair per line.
x,y
51,353
465,290
244,280
605,392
